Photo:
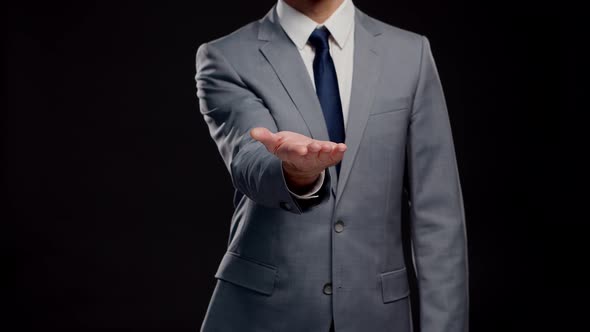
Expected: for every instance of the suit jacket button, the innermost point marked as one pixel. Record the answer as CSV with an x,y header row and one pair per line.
x,y
285,206
328,289
339,226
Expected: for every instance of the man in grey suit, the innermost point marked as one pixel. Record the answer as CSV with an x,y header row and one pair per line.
x,y
317,110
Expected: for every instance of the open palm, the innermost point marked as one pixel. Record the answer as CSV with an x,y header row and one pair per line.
x,y
302,156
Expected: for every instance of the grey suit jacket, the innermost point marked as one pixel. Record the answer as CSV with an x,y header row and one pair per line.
x,y
293,265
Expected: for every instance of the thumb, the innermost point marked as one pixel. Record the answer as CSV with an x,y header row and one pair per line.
x,y
265,137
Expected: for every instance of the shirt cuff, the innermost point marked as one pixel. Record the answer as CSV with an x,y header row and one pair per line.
x,y
312,193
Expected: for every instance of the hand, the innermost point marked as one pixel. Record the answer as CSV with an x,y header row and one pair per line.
x,y
303,158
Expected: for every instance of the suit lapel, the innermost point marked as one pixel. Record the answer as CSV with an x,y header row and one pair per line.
x,y
364,78
283,56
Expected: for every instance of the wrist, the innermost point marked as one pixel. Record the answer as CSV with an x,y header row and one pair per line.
x,y
300,182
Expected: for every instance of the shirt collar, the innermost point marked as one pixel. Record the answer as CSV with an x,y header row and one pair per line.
x,y
299,27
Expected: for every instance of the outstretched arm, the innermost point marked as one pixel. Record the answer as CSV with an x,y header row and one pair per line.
x,y
265,164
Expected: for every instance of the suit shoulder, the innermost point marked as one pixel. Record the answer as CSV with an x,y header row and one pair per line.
x,y
395,34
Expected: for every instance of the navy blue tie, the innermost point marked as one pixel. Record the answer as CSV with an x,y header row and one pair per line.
x,y
326,85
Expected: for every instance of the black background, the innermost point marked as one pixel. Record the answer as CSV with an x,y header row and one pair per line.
x,y
117,204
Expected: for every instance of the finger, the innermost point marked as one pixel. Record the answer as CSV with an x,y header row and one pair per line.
x,y
291,151
338,152
266,137
327,146
313,149
324,154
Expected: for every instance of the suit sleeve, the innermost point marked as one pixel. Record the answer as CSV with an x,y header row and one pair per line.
x,y
231,110
436,207
313,192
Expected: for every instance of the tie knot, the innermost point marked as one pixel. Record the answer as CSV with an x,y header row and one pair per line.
x,y
319,38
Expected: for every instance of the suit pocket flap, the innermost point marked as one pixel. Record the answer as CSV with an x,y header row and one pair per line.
x,y
247,273
391,105
394,285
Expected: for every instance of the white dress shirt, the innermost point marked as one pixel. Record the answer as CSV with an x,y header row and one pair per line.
x,y
341,26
